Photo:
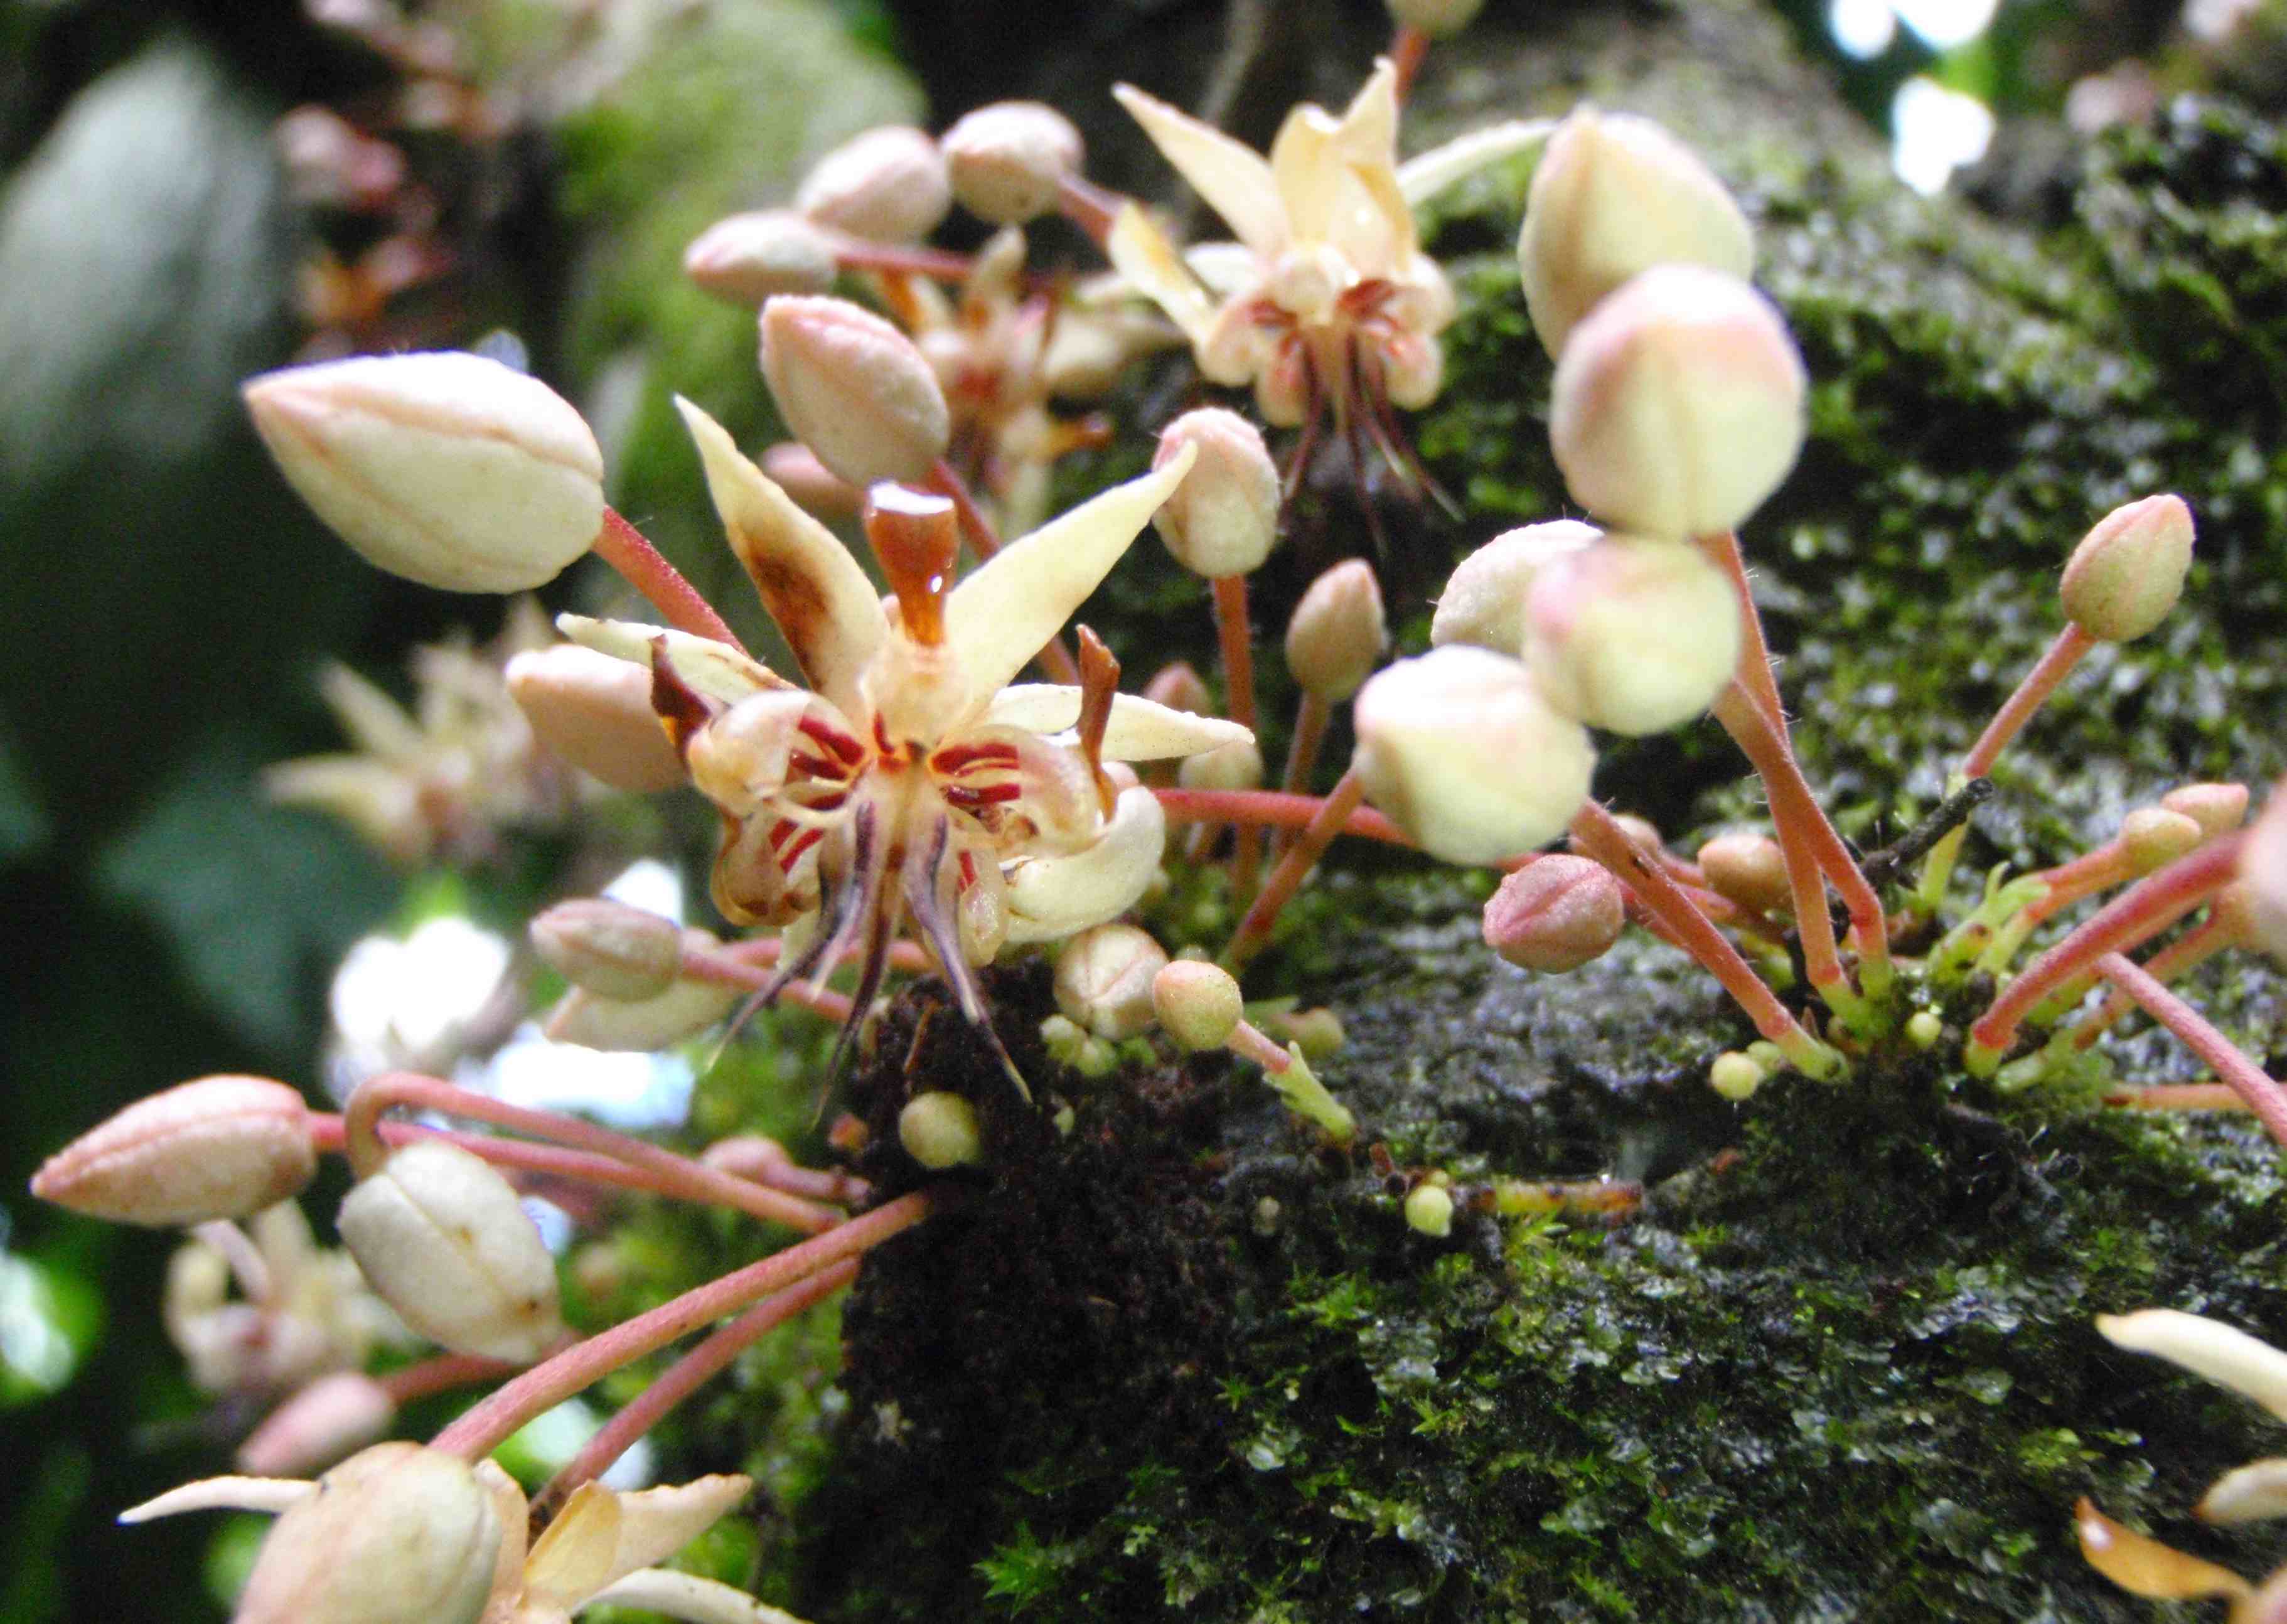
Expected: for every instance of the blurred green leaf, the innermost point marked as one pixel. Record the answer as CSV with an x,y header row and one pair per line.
x,y
32,1560
49,1319
23,825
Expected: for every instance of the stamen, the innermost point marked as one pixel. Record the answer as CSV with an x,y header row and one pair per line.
x,y
682,710
1099,681
845,749
917,536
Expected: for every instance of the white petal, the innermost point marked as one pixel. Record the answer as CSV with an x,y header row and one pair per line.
x,y
223,1494
572,1559
2223,1353
1149,264
1368,131
1052,897
654,1524
2250,1494
1232,177
814,590
1424,176
1139,729
715,669
1000,615
686,1596
1225,267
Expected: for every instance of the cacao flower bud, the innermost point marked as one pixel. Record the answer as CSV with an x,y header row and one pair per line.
x,y
1337,633
2127,573
609,948
1749,869
638,1025
220,1147
1103,980
938,1130
1223,518
2153,836
1556,914
887,185
2217,808
746,258
1008,161
595,712
1483,600
854,389
1197,1003
2263,875
1632,636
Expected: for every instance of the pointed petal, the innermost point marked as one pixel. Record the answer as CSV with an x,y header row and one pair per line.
x,y
2254,1493
1423,177
2223,1353
1225,267
1140,730
1233,178
1368,131
688,1596
813,589
376,724
223,1494
654,1524
572,1560
1053,897
715,669
1000,615
1309,166
1149,264
2143,1566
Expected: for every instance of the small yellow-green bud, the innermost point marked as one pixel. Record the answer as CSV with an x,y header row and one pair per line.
x,y
1429,1211
2217,808
1318,1032
1197,1003
1556,914
1678,404
1337,633
1008,161
1483,599
938,1130
2127,573
1735,1076
1063,1038
887,185
2153,836
749,258
1636,637
1105,978
595,712
1236,765
1223,518
1616,194
1749,869
609,948
854,389
1924,1028
220,1147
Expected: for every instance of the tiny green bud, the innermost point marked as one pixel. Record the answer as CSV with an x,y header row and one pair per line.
x,y
2127,573
1429,1211
1632,636
2153,836
1318,1032
747,259
2217,808
1556,914
938,1130
609,948
1483,599
854,389
1735,1076
887,185
1747,868
1337,633
1105,980
1063,1038
1008,161
1223,518
1924,1028
1198,1004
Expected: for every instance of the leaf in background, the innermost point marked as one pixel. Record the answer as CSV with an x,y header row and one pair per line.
x,y
23,826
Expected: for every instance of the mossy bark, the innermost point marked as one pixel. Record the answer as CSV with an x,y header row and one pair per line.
x,y
1183,1355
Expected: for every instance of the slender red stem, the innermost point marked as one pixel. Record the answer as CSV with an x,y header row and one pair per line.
x,y
1269,809
2223,928
2050,669
684,1377
482,1428
1287,879
623,546
1249,1041
1238,643
441,1375
2262,1094
327,1134
938,264
2138,914
1312,716
1088,206
2085,876
727,969
1407,47
1744,719
1754,672
378,1094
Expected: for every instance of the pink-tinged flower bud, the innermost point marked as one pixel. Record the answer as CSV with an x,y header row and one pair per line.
x,y
1749,869
2263,875
609,948
2128,572
1223,518
2217,808
887,185
1197,1003
855,390
396,1535
1236,765
938,1130
1435,17
318,1426
1179,687
220,1148
1556,914
441,1237
1338,634
595,712
1008,161
795,468
446,468
1483,600
1461,752
1632,636
638,1025
1103,980
747,259
1616,194
2153,836
1678,404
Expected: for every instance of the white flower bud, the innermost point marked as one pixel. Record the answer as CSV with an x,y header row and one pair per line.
x,y
1615,194
397,1534
318,1425
1678,404
609,948
1556,914
2217,808
1429,1211
1236,765
1337,633
1006,161
1103,980
441,1237
746,258
2153,836
1461,752
638,1025
1223,518
1483,600
446,468
2128,572
1749,869
595,713
938,1130
887,185
220,1148
2263,875
1632,636
1199,1003
855,390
